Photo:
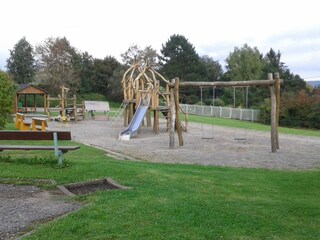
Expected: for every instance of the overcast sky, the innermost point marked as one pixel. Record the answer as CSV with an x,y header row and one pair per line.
x,y
214,28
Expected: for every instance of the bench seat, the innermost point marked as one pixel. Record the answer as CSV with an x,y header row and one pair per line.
x,y
38,136
64,149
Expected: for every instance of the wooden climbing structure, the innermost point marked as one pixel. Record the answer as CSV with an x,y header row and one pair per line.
x,y
67,107
140,81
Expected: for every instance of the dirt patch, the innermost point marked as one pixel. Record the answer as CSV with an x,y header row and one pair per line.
x,y
23,206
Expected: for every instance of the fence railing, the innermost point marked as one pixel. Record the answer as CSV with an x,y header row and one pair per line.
x,y
222,112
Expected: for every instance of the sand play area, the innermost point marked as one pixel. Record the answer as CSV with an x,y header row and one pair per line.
x,y
203,145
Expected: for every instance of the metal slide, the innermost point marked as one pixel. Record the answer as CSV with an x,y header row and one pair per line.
x,y
136,120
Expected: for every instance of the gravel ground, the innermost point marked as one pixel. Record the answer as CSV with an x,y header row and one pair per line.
x,y
203,144
22,206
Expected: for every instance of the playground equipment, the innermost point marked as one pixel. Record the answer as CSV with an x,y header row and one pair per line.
x,y
143,82
140,80
67,108
274,87
137,120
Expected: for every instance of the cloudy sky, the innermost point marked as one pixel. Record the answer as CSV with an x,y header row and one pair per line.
x,y
104,28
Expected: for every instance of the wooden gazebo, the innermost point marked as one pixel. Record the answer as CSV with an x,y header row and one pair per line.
x,y
25,90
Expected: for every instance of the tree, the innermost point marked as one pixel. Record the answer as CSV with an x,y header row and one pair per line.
x,y
104,72
136,54
291,82
21,63
213,68
179,59
86,73
244,63
58,64
273,63
7,93
214,72
115,92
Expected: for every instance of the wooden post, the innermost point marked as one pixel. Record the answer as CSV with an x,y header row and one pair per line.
x,y
167,94
155,104
125,117
25,103
16,107
138,94
155,121
75,114
277,92
45,103
176,101
124,88
273,115
234,97
63,114
149,118
168,105
48,108
172,117
34,103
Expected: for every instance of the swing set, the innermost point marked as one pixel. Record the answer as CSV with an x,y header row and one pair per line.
x,y
210,135
274,87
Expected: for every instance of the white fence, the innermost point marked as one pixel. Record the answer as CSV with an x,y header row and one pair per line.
x,y
222,112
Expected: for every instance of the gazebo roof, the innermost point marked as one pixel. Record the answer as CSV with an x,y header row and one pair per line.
x,y
26,88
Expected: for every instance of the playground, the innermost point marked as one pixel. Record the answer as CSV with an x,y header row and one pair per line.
x,y
194,145
203,145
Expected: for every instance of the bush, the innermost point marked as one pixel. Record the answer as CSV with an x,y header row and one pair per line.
x,y
218,103
7,93
300,109
265,112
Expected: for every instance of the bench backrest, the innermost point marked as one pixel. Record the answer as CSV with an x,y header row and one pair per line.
x,y
33,135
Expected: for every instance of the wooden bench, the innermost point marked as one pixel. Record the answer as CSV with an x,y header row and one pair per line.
x,y
39,124
20,122
37,135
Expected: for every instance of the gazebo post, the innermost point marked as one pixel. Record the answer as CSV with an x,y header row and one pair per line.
x,y
16,104
45,103
34,103
25,103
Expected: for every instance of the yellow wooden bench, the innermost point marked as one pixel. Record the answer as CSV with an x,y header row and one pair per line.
x,y
20,122
39,124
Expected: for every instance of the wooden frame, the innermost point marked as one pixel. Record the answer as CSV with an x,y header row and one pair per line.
x,y
274,87
140,80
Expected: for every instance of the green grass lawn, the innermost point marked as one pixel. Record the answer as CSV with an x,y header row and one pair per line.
x,y
170,201
177,201
250,125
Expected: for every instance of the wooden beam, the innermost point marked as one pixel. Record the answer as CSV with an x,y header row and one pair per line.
x,y
277,92
176,103
227,84
172,118
273,116
33,135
